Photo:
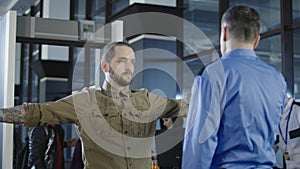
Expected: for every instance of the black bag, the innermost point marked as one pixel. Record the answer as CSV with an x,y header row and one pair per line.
x,y
22,157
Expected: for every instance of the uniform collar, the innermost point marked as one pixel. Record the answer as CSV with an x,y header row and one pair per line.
x,y
240,52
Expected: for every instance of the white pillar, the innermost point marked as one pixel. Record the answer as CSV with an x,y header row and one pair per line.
x,y
7,61
117,30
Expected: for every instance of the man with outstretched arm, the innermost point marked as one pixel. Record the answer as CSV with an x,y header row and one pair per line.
x,y
116,124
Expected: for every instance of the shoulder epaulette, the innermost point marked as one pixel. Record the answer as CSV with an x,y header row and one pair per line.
x,y
137,90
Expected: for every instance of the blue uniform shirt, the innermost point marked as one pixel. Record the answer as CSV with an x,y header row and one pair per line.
x,y
234,113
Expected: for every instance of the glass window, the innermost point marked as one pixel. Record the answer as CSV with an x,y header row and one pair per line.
x,y
119,5
25,72
99,18
78,68
156,59
36,52
296,10
195,65
34,77
269,50
98,9
53,89
92,59
84,67
296,63
79,10
268,10
204,15
97,5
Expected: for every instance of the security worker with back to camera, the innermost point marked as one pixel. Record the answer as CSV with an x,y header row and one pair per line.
x,y
236,103
116,124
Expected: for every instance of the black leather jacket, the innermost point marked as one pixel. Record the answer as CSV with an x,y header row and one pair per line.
x,y
43,147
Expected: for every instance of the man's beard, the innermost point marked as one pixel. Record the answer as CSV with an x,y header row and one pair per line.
x,y
118,78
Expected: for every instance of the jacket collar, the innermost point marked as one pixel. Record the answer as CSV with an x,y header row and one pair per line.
x,y
111,91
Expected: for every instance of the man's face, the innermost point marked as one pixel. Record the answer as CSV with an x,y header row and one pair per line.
x,y
121,66
168,123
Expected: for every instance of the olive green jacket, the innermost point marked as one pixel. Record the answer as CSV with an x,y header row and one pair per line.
x,y
116,128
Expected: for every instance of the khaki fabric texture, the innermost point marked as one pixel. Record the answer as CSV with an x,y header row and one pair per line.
x,y
116,128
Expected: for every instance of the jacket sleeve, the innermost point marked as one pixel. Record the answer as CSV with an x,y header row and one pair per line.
x,y
175,108
57,112
37,146
165,108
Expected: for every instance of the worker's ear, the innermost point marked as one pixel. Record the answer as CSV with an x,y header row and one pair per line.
x,y
257,39
104,66
224,33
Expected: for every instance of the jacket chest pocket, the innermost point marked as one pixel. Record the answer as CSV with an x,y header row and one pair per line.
x,y
111,120
143,130
140,104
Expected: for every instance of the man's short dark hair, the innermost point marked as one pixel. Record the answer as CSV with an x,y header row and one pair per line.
x,y
242,22
108,51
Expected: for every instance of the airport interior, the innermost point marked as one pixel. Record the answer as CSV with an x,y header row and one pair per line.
x,y
49,49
